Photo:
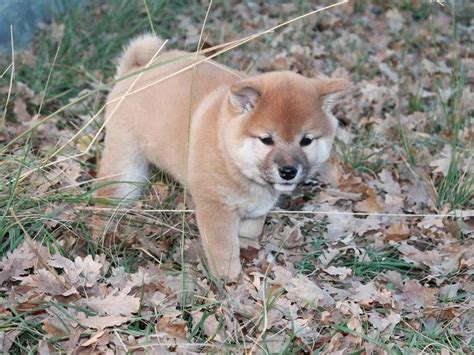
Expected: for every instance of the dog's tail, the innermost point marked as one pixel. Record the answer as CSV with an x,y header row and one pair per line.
x,y
138,53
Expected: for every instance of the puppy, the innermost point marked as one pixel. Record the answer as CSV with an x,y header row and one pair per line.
x,y
235,141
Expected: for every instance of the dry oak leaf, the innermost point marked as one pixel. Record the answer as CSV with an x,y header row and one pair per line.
x,y
420,194
302,289
54,329
395,20
370,204
387,183
65,173
393,204
328,255
429,222
443,162
171,326
416,296
342,272
48,283
282,275
140,278
365,294
448,292
20,110
431,258
7,339
338,226
98,322
80,272
397,232
43,347
212,327
15,263
330,172
381,323
372,92
116,303
93,339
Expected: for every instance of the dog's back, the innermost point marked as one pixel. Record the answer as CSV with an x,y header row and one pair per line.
x,y
160,93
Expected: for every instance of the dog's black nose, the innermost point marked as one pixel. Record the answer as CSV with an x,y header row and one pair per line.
x,y
288,172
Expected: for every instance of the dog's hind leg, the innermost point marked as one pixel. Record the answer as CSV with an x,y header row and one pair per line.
x,y
123,168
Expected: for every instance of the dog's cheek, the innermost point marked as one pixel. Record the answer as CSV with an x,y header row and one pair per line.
x,y
320,152
248,157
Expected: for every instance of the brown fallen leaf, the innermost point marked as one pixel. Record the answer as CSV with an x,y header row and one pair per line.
x,y
282,275
355,324
7,339
172,326
448,292
53,329
395,20
116,303
48,283
397,232
98,322
353,311
332,196
416,296
382,323
43,347
393,204
276,342
327,256
93,339
65,173
338,227
352,183
365,294
15,263
370,204
80,272
301,289
342,272
330,171
20,110
441,165
387,183
431,258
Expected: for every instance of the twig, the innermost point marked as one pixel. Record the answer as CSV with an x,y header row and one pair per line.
x,y
455,213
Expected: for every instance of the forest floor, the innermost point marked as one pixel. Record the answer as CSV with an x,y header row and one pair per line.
x,y
374,255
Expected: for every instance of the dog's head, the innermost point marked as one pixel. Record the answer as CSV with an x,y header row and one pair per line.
x,y
279,127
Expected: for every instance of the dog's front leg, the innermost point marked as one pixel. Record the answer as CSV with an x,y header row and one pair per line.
x,y
249,231
219,227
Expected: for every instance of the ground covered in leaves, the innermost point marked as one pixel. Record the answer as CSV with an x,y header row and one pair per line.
x,y
375,255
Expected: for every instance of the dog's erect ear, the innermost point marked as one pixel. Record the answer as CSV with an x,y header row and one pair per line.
x,y
331,91
243,97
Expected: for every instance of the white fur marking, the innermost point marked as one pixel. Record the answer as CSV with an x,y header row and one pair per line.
x,y
248,156
135,173
284,187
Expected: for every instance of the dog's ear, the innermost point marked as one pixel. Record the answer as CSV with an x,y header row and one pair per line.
x,y
243,97
331,91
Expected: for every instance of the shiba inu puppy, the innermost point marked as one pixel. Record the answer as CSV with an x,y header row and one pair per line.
x,y
235,141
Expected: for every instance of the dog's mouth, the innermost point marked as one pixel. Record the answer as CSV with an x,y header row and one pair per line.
x,y
281,186
284,187
278,184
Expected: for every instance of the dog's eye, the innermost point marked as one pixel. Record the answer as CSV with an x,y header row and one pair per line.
x,y
305,141
266,140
